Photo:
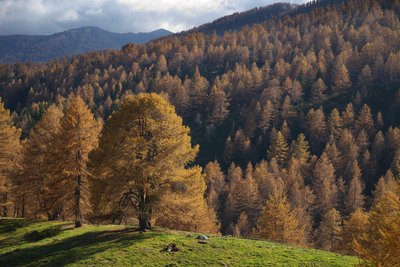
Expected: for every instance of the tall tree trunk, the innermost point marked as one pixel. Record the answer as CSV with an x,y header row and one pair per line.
x,y
145,222
77,210
144,210
144,214
5,209
23,206
16,209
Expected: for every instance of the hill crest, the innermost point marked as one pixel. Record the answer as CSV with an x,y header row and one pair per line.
x,y
36,48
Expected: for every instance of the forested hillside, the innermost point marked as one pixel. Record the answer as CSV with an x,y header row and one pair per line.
x,y
297,117
238,20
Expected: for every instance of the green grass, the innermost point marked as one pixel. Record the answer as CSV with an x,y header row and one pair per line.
x,y
114,245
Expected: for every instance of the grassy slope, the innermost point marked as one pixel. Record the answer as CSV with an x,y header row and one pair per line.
x,y
113,245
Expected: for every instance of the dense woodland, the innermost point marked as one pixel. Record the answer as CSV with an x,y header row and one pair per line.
x,y
237,20
296,118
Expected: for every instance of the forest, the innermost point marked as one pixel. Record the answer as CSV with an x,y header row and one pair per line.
x,y
296,120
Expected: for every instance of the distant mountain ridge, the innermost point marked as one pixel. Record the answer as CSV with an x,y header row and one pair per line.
x,y
35,48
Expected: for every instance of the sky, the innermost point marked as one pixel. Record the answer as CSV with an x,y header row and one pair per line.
x,y
49,16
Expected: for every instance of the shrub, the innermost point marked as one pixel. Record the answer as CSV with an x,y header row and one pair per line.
x,y
12,225
9,228
39,235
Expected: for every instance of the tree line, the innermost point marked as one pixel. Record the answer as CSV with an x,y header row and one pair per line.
x,y
300,109
138,167
135,166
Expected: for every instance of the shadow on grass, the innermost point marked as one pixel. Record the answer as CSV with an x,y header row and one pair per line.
x,y
73,249
9,225
9,235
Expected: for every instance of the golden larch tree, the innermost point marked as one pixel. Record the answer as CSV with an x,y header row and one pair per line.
x,y
143,153
341,79
36,163
381,246
384,185
277,221
243,196
215,182
185,208
329,231
354,227
354,197
300,150
324,185
77,137
278,149
9,157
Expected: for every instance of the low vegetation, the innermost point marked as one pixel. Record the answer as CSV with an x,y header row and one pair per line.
x,y
116,245
287,130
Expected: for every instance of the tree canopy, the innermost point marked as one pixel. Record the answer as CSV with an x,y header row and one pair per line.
x,y
143,154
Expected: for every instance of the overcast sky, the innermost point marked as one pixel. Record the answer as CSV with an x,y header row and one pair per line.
x,y
50,16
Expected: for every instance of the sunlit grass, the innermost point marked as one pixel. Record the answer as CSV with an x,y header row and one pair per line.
x,y
114,245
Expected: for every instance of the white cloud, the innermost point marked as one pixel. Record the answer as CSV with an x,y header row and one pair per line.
x,y
94,12
68,16
49,16
161,6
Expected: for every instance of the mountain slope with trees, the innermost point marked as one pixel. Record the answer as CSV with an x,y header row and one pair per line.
x,y
238,20
33,48
296,117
